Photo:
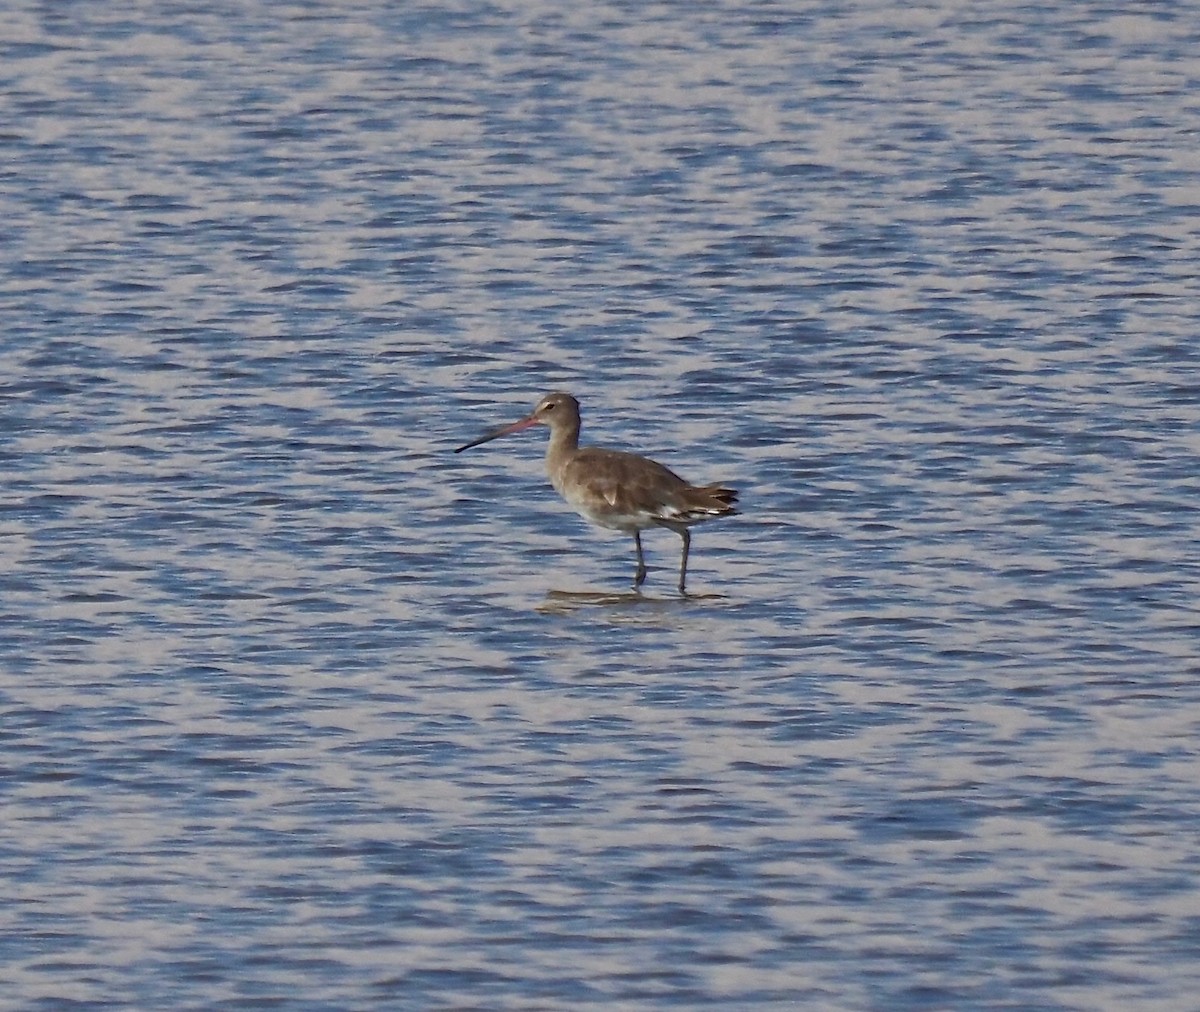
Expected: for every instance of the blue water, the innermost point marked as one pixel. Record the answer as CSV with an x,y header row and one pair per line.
x,y
300,710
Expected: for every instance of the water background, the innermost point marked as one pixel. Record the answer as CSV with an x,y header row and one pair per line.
x,y
299,710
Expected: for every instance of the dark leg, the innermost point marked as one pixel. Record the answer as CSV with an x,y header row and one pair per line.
x,y
687,543
640,577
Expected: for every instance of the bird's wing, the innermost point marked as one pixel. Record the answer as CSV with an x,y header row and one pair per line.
x,y
608,481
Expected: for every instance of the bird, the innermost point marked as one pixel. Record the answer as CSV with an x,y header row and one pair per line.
x,y
617,490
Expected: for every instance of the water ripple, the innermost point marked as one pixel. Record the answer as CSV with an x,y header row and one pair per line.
x,y
300,708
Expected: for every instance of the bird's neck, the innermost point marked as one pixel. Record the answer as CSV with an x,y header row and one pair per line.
x,y
564,441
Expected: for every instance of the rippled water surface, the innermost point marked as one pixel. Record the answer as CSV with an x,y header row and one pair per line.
x,y
300,710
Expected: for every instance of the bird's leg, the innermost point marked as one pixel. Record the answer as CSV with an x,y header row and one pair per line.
x,y
639,577
687,543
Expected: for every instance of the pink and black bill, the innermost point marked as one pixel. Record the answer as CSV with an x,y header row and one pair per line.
x,y
524,423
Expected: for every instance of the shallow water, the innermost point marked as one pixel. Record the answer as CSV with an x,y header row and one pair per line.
x,y
299,709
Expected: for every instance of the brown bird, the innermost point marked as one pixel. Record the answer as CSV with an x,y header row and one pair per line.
x,y
620,491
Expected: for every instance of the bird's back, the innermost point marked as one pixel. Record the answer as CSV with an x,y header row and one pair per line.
x,y
625,491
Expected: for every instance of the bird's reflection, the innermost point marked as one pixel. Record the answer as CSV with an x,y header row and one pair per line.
x,y
564,602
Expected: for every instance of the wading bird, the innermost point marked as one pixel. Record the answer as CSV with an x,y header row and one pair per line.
x,y
620,491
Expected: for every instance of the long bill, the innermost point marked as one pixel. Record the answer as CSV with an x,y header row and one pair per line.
x,y
524,423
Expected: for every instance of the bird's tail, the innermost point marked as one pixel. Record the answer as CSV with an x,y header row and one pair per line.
x,y
712,501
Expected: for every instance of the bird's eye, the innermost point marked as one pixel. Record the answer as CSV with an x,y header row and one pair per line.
x,y
548,407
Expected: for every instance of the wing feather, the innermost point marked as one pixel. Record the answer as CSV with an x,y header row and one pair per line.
x,y
625,490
